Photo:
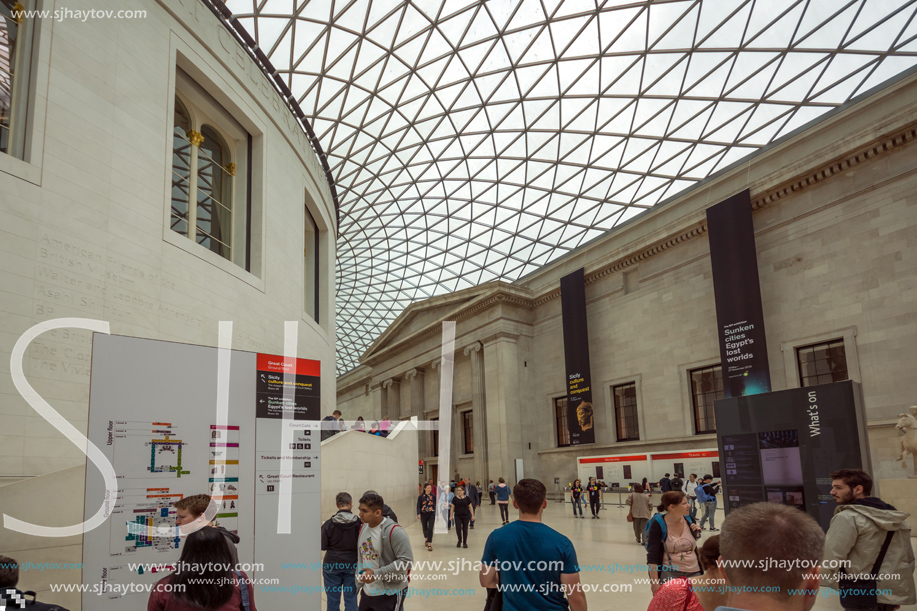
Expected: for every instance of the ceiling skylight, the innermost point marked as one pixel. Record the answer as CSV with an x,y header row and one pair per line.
x,y
478,140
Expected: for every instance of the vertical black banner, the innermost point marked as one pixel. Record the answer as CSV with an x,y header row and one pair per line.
x,y
739,316
576,355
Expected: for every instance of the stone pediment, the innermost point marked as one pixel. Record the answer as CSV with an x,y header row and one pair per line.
x,y
421,314
419,318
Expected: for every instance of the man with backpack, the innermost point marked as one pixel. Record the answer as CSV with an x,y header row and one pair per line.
x,y
385,558
339,542
677,483
706,495
665,484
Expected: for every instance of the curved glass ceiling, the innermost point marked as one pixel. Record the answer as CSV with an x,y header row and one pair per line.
x,y
478,140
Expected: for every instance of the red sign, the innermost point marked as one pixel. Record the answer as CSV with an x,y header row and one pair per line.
x,y
709,454
280,364
584,461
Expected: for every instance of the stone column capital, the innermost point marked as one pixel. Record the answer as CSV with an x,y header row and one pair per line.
x,y
389,382
435,364
412,373
475,347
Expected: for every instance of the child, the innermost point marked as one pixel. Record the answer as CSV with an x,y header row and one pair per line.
x,y
190,508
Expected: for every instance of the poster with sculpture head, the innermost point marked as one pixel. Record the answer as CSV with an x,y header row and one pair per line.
x,y
580,414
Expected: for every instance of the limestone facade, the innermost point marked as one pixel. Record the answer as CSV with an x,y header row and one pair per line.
x,y
835,215
85,212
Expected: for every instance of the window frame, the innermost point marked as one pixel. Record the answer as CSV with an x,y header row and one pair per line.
x,y
228,90
826,344
204,110
28,109
312,256
636,411
693,397
789,348
467,431
561,432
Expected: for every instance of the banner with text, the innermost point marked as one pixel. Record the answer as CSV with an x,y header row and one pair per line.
x,y
739,316
576,356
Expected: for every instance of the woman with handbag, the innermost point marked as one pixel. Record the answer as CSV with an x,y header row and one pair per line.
x,y
641,510
701,593
671,546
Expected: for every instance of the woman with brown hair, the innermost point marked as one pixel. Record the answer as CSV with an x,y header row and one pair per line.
x,y
671,545
426,513
701,593
641,510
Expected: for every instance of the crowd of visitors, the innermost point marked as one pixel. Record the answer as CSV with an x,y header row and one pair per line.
x,y
333,424
866,555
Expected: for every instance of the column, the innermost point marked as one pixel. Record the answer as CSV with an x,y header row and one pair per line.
x,y
414,378
391,406
479,412
437,372
378,400
504,413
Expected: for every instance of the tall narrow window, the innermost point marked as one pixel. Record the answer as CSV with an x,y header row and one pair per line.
x,y
435,432
706,387
560,418
311,264
181,168
14,76
625,397
822,363
214,194
468,427
210,151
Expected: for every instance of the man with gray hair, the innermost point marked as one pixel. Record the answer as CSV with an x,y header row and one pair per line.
x,y
772,547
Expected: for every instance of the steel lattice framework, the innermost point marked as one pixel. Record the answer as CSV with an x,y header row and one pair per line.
x,y
476,140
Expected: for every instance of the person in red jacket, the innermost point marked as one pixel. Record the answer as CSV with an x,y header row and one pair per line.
x,y
204,579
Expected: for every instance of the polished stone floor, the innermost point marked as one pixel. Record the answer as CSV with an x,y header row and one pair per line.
x,y
606,541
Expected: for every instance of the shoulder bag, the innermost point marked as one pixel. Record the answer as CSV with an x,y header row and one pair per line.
x,y
861,593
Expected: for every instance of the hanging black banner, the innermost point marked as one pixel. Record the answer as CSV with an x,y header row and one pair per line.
x,y
576,355
739,315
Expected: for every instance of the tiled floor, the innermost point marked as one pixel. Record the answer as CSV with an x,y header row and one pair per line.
x,y
606,541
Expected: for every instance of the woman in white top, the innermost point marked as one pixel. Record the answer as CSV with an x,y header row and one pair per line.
x,y
690,485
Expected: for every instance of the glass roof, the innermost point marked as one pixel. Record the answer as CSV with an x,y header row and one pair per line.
x,y
476,140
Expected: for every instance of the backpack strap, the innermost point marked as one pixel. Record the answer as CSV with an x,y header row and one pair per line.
x,y
243,589
390,532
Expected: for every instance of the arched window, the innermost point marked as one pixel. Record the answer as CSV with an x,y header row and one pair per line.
x,y
206,142
214,194
15,43
181,168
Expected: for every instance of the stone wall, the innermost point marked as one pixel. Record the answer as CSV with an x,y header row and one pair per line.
x,y
835,217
